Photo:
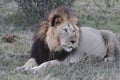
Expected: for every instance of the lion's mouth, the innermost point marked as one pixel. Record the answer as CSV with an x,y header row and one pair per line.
x,y
66,48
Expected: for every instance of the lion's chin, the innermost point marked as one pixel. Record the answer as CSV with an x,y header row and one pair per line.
x,y
68,49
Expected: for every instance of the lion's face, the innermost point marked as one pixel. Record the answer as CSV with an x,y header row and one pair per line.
x,y
63,36
67,35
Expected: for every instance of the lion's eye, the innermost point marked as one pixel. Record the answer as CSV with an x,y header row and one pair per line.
x,y
65,30
68,25
74,30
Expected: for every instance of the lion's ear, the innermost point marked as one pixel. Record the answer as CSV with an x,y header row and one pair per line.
x,y
56,20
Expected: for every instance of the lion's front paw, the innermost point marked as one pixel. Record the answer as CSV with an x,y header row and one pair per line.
x,y
109,59
35,71
22,69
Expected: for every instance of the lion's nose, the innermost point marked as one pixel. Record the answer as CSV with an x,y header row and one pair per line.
x,y
73,41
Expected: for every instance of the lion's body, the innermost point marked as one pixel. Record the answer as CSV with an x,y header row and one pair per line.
x,y
92,42
61,39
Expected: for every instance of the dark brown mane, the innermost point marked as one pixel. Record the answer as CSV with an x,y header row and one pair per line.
x,y
40,50
41,30
65,13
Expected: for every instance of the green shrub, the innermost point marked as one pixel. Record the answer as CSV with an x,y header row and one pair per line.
x,y
35,10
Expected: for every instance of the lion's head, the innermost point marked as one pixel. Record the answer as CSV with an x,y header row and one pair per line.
x,y
60,30
63,36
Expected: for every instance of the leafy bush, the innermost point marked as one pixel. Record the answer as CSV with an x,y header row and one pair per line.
x,y
35,10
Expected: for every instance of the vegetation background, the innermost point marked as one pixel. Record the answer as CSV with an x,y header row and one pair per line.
x,y
17,20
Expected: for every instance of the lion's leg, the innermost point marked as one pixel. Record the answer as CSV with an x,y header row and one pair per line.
x,y
28,65
44,65
110,55
112,49
111,44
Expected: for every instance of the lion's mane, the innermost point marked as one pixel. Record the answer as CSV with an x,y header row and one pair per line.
x,y
40,50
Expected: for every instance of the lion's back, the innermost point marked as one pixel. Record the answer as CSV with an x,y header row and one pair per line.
x,y
92,42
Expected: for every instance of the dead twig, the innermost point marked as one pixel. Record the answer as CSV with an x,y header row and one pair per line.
x,y
9,38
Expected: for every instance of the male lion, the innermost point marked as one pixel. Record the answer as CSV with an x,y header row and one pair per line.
x,y
60,39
